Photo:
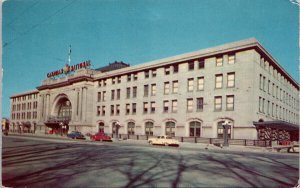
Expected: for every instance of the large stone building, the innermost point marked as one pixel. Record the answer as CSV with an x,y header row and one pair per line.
x,y
187,95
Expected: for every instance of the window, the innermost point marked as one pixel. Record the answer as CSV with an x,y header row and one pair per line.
x,y
221,130
146,73
135,76
101,127
175,86
166,88
127,108
152,107
153,73
153,89
175,68
174,105
189,105
170,128
195,128
200,83
104,96
145,107
149,128
264,83
231,59
134,92
117,109
112,110
103,110
230,80
133,108
104,82
113,81
118,94
190,84
128,77
119,79
167,70
166,106
200,104
219,81
219,61
230,102
131,127
146,90
98,110
112,94
201,64
128,92
99,96
260,105
218,103
191,66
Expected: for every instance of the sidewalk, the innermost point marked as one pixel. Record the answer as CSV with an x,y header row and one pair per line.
x,y
187,145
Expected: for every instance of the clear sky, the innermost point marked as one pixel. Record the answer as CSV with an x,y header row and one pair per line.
x,y
37,33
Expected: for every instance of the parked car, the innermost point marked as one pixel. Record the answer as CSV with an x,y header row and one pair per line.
x,y
100,136
76,135
163,140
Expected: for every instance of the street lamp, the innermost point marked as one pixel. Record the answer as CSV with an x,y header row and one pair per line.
x,y
226,126
117,126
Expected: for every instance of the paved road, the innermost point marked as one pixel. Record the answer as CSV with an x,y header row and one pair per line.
x,y
40,162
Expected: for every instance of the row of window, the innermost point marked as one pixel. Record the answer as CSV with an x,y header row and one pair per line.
x,y
24,115
269,108
200,63
192,105
276,74
23,106
277,92
25,97
170,127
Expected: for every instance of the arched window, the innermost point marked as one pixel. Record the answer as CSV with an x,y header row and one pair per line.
x,y
170,128
149,128
101,127
221,130
131,127
195,129
65,109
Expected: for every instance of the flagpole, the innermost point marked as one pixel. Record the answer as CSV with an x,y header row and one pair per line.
x,y
69,55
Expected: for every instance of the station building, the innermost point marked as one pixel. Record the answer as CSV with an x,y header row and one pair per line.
x,y
188,95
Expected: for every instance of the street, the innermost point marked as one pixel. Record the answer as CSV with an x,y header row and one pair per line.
x,y
42,162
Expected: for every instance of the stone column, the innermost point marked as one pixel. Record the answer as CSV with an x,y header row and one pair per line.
x,y
84,101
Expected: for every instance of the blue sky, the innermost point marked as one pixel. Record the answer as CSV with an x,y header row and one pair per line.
x,y
37,33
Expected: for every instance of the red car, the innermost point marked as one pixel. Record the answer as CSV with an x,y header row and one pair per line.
x,y
100,136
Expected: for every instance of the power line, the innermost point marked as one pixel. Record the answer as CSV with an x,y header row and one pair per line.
x,y
38,24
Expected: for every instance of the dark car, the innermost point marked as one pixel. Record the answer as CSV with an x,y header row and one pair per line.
x,y
100,136
76,135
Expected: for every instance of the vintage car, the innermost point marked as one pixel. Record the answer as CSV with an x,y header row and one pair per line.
x,y
163,140
100,136
76,135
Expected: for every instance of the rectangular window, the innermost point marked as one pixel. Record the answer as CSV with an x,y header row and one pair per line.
x,y
200,84
218,103
103,110
167,70
104,96
146,90
174,105
128,92
201,64
119,79
200,104
98,110
127,108
112,110
153,89
260,82
219,81
133,108
166,106
166,88
135,76
230,79
152,107
175,68
134,92
230,102
112,94
99,96
190,84
269,87
104,82
264,83
189,105
219,61
118,94
117,109
260,104
175,86
128,77
153,73
145,107
191,66
231,59
113,81
146,73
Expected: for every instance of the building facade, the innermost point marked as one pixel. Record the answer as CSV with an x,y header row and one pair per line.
x,y
189,95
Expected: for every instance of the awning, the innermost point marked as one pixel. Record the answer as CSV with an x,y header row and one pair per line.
x,y
280,125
